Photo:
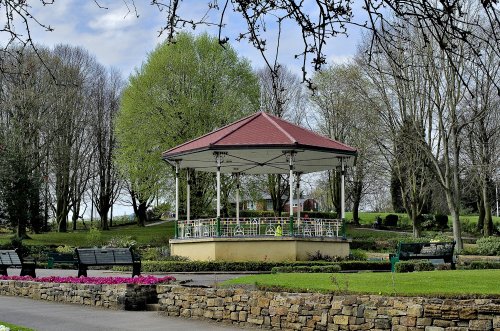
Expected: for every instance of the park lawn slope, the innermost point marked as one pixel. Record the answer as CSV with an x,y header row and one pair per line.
x,y
427,283
158,234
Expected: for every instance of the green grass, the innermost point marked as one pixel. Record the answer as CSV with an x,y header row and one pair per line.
x,y
14,327
368,218
446,283
158,235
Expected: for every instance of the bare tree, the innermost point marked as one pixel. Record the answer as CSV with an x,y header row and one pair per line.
x,y
345,114
282,95
105,98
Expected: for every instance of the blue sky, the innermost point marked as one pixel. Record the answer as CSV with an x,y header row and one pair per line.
x,y
118,38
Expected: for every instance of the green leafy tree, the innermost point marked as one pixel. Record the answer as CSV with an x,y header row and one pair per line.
x,y
183,90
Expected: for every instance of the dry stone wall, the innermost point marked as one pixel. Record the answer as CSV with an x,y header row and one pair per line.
x,y
306,311
113,296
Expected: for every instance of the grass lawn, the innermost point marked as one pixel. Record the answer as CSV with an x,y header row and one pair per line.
x,y
447,283
368,218
14,327
158,235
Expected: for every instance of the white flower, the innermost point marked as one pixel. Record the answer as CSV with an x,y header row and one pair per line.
x,y
4,328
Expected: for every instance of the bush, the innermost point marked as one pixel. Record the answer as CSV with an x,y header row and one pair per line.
x,y
198,266
391,220
358,255
161,211
483,265
441,222
121,242
307,269
488,246
415,265
94,237
159,254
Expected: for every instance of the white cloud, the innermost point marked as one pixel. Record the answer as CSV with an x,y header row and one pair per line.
x,y
112,19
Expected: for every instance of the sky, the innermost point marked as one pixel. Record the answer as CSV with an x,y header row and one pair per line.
x,y
120,39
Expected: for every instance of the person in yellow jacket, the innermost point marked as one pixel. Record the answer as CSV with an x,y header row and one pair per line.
x,y
278,232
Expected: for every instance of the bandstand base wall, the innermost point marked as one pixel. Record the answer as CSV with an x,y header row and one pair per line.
x,y
258,249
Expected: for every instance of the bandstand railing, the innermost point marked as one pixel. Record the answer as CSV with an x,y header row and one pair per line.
x,y
259,227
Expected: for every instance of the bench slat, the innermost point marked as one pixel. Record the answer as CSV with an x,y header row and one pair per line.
x,y
106,256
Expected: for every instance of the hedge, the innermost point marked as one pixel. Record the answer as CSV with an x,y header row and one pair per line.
x,y
266,266
482,265
415,265
307,269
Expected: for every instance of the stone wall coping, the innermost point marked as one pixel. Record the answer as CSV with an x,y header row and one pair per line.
x,y
254,239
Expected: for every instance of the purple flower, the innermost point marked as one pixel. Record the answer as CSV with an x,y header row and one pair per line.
x,y
142,280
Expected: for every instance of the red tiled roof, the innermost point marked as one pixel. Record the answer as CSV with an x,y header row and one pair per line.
x,y
260,130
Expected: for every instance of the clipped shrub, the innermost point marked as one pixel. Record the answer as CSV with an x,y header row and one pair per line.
x,y
424,265
483,265
414,265
404,266
192,266
307,269
488,246
391,220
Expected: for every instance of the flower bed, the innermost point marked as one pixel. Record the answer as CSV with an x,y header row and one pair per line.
x,y
108,292
143,280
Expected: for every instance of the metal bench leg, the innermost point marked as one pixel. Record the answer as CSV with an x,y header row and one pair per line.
x,y
136,269
82,270
28,270
3,271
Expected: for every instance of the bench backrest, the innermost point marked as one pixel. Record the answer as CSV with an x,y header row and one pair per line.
x,y
430,249
105,256
9,257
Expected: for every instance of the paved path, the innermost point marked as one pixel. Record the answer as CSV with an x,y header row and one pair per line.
x,y
52,316
45,315
204,279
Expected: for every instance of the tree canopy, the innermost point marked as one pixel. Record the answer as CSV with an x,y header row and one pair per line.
x,y
184,89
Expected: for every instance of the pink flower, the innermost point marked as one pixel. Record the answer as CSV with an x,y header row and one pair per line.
x,y
142,280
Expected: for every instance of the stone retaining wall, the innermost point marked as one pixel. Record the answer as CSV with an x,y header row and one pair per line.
x,y
306,311
116,296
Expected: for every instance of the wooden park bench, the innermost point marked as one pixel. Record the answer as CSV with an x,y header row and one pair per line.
x,y
60,258
88,257
424,251
10,258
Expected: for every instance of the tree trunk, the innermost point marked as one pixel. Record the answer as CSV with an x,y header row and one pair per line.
x,y
480,208
357,193
488,220
141,214
414,215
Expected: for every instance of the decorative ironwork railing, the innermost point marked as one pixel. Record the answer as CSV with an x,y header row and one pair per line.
x,y
258,227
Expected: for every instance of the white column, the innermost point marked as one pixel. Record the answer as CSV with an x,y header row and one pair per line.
x,y
290,181
342,192
176,190
298,199
188,196
218,160
238,198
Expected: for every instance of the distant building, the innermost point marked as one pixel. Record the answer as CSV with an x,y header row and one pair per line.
x,y
266,203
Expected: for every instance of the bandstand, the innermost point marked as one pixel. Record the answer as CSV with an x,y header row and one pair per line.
x,y
259,144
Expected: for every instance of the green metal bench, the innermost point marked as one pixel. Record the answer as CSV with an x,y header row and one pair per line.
x,y
61,258
11,258
424,251
88,257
